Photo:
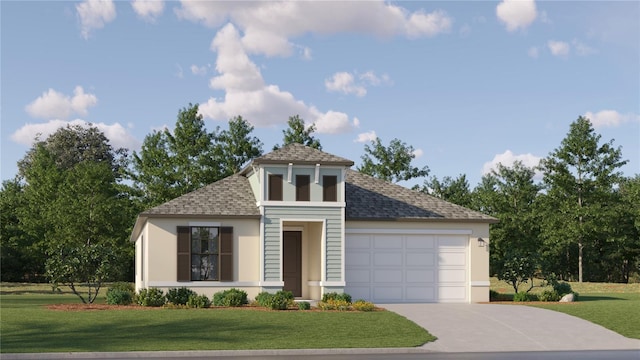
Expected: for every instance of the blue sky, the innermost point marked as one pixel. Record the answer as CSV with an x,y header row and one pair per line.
x,y
467,84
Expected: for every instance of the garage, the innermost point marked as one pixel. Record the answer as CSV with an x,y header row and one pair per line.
x,y
413,267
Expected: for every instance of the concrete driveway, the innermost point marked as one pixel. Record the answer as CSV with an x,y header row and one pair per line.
x,y
490,327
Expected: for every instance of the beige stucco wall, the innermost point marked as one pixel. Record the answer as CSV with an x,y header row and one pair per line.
x,y
478,256
160,260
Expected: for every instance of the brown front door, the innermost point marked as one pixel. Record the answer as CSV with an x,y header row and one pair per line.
x,y
292,262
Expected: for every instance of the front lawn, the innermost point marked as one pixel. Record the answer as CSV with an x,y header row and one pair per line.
x,y
29,326
614,306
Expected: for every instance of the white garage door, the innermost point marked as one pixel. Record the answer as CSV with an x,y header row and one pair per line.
x,y
393,268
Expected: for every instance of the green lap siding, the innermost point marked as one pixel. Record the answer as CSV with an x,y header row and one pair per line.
x,y
272,237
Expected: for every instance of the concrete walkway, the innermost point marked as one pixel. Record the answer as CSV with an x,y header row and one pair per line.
x,y
490,327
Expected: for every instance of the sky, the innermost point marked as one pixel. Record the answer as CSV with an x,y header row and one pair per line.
x,y
468,84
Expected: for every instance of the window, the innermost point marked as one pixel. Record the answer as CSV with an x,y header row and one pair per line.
x,y
302,187
329,188
275,187
205,253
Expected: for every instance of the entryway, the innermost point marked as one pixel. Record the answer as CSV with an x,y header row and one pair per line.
x,y
292,262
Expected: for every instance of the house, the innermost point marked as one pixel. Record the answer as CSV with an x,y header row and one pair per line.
x,y
300,219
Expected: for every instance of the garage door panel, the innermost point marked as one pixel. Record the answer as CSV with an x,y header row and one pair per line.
x,y
358,276
452,242
452,275
452,259
359,258
359,241
360,292
420,276
452,294
420,242
387,242
387,259
420,259
387,275
387,293
421,293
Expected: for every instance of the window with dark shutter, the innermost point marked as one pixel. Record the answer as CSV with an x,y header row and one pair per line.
x,y
226,254
275,187
302,187
329,188
184,253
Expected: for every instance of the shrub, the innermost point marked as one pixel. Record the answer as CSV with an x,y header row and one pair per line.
x,y
231,297
280,300
304,305
334,304
198,301
361,305
120,293
493,295
150,297
562,288
549,295
264,298
336,296
521,296
179,296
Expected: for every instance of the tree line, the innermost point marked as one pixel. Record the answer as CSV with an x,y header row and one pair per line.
x,y
67,215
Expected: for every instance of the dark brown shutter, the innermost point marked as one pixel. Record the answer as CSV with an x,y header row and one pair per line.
x,y
329,188
302,187
184,253
226,253
275,187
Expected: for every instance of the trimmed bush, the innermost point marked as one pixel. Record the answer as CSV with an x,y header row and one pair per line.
x,y
520,297
120,293
336,296
264,298
232,297
562,288
180,296
549,295
198,301
334,304
304,305
361,305
150,297
280,300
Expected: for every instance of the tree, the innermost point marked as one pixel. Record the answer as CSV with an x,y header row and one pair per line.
x,y
449,189
299,133
75,205
579,178
392,163
510,194
236,147
173,164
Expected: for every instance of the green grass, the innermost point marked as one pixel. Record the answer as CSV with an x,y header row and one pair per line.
x,y
614,306
28,326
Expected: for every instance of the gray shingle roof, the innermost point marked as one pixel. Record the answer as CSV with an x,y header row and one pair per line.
x,y
231,196
300,154
369,198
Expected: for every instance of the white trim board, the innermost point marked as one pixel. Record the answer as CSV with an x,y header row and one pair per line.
x,y
410,231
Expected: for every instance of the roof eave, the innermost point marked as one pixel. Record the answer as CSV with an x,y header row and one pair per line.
x,y
440,220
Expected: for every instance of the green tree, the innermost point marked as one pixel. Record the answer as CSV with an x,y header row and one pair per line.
x,y
171,164
299,133
73,200
579,178
236,146
392,163
449,189
510,194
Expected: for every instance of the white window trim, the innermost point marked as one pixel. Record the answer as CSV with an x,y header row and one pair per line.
x,y
204,224
333,204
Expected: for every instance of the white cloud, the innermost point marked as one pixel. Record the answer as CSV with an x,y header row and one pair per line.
x,y
268,26
53,104
418,153
344,82
508,158
516,14
582,49
94,14
117,134
610,118
199,70
348,83
533,52
247,94
559,48
148,10
366,137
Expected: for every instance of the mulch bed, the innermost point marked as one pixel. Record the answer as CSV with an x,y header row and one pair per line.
x,y
98,307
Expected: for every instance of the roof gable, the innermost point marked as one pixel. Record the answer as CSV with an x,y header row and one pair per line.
x,y
301,154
